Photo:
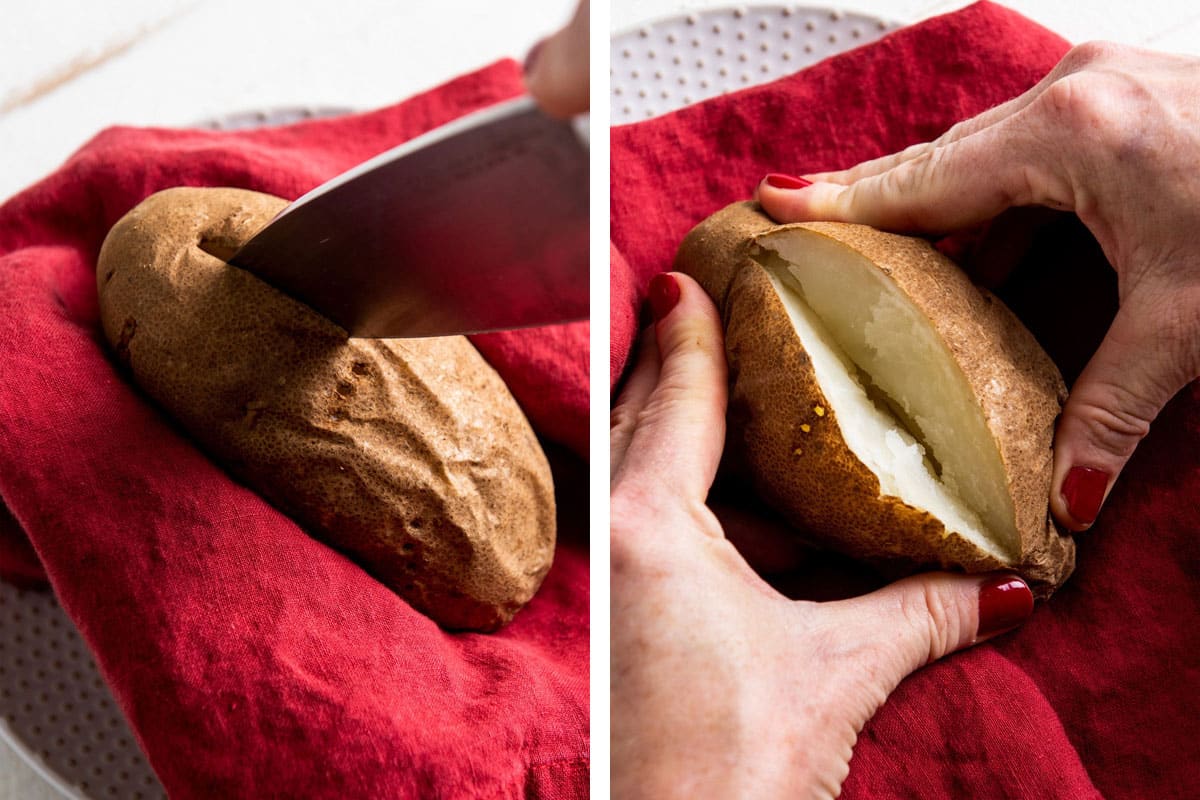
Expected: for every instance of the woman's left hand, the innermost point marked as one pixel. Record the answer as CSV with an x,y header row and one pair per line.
x,y
722,687
556,69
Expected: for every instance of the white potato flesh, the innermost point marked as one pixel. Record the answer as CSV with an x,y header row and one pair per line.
x,y
905,408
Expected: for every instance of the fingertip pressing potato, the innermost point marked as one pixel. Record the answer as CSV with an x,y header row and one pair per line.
x,y
883,403
409,455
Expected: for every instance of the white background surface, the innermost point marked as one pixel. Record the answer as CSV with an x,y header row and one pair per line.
x,y
69,68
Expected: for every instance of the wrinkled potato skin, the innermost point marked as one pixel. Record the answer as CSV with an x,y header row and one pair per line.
x,y
409,455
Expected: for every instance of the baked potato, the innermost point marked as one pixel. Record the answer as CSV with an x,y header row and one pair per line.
x,y
408,455
885,405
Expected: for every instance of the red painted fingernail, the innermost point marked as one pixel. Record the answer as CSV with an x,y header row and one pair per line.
x,y
663,294
781,181
1083,489
1004,602
532,56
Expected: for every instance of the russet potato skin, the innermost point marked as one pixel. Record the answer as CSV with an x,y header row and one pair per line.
x,y
409,455
782,428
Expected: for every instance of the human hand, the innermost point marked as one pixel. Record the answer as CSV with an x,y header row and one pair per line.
x,y
1110,134
556,69
722,687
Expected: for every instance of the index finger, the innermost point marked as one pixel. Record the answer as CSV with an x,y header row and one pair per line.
x,y
944,189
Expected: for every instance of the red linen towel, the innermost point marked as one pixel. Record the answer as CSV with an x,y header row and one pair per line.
x,y
1097,694
251,660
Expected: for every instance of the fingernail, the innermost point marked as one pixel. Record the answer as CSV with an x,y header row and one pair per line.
x,y
781,181
1083,489
1004,602
532,56
663,294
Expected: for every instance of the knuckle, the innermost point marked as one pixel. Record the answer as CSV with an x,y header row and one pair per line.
x,y
1115,427
929,609
623,418
893,190
1073,103
1087,54
955,132
924,168
1085,97
934,167
1028,185
1090,111
914,151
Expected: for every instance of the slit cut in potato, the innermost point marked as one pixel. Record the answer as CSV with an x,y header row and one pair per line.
x,y
888,407
849,331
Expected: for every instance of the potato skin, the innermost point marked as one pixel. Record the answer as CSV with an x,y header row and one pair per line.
x,y
409,455
811,476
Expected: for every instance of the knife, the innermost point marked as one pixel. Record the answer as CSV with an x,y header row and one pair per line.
x,y
478,225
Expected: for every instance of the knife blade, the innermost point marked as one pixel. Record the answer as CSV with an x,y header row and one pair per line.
x,y
476,226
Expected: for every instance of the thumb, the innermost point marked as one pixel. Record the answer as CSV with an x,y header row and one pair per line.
x,y
679,430
1144,360
557,68
924,617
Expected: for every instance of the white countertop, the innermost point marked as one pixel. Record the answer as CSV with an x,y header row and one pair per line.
x,y
70,68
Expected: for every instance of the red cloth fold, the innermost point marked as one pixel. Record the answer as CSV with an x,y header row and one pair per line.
x,y
251,660
1096,694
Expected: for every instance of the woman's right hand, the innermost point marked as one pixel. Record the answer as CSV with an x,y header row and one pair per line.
x,y
1113,134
